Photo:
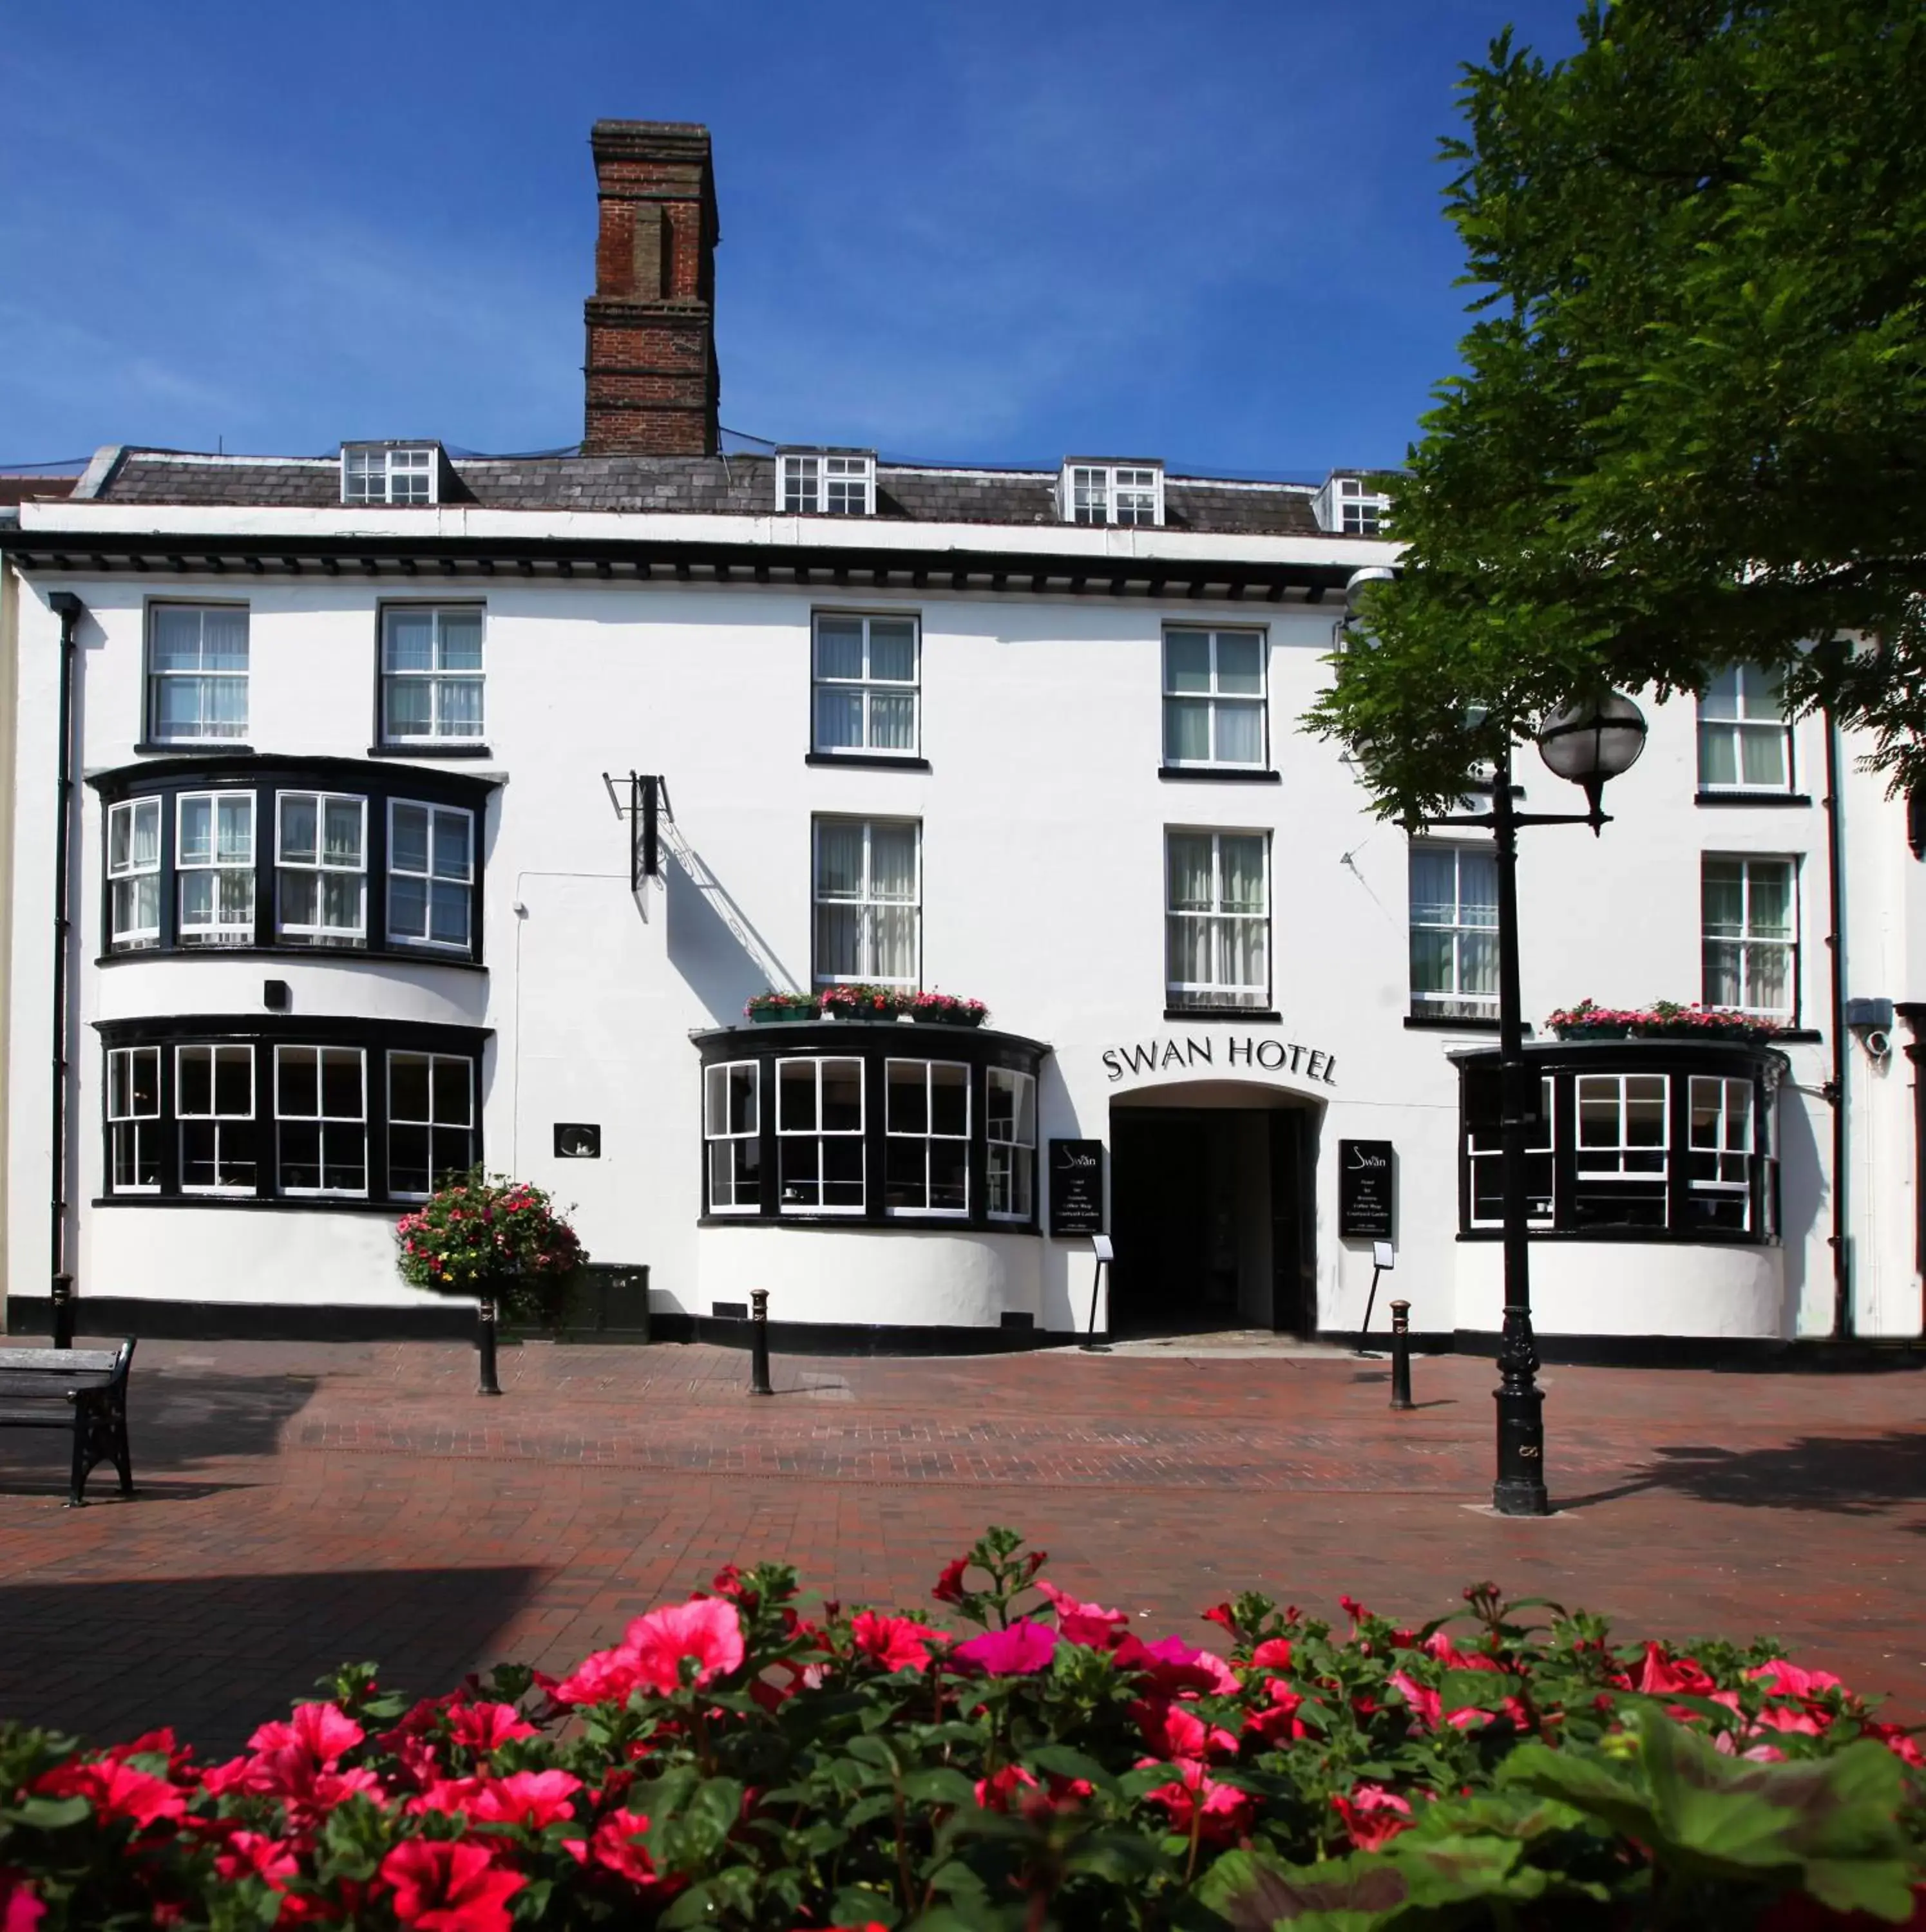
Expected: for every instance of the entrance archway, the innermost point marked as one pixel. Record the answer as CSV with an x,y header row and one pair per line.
x,y
1211,1209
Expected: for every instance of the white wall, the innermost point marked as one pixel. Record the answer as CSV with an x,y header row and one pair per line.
x,y
1043,820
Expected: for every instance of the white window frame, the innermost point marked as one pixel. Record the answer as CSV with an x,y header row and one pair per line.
x,y
319,934
1111,493
1216,994
436,1061
214,1118
1214,698
1730,697
125,874
1748,943
1361,512
858,1135
866,903
926,1136
217,931
825,483
1454,1002
1732,1167
1606,1164
390,473
127,1126
868,686
437,675
724,1144
1010,1169
1541,1206
431,878
323,1121
229,734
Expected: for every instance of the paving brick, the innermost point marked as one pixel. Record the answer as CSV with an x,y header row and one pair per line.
x,y
300,1504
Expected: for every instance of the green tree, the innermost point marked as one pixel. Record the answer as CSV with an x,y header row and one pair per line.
x,y
1691,427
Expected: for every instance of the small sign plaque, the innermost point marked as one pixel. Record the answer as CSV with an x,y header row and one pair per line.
x,y
1076,1187
577,1140
1367,1192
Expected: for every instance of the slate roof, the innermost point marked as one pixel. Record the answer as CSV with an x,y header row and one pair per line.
x,y
35,489
732,485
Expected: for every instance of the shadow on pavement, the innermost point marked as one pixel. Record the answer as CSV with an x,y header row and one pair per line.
x,y
177,1420
216,1656
1841,1475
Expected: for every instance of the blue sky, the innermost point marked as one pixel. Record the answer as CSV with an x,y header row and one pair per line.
x,y
998,232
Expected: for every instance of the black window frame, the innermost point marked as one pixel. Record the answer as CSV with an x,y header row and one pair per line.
x,y
1562,1063
380,785
375,1039
875,1044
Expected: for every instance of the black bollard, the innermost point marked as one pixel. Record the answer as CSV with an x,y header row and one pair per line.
x,y
1401,1355
63,1311
759,1342
484,1341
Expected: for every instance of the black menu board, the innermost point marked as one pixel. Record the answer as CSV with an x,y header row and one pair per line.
x,y
1367,1195
1076,1187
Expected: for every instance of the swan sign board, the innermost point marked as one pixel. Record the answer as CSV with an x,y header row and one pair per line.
x,y
1367,1192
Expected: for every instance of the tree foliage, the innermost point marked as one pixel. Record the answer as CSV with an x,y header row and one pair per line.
x,y
1691,427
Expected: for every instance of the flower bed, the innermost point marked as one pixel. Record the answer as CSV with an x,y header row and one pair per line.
x,y
1664,1019
734,1762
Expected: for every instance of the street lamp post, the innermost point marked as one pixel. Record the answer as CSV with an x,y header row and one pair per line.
x,y
1588,743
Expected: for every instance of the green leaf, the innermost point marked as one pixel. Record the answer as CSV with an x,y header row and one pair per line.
x,y
939,1786
49,1814
1062,1761
1255,1892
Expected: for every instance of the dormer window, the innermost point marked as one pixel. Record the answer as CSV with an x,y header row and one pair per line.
x,y
1353,506
826,483
1113,492
390,472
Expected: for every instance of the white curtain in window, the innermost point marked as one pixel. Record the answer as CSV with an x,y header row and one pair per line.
x,y
838,647
893,884
892,650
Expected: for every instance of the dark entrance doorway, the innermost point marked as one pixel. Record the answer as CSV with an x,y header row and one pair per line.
x,y
1208,1207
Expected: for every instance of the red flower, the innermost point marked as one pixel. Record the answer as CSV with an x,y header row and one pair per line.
x,y
322,1729
1280,1720
254,1855
1665,1676
116,1791
1174,1730
1782,1679
897,1643
442,1887
485,1727
1371,1815
1226,1811
1033,1800
950,1585
1173,1666
531,1797
1898,1740
1274,1654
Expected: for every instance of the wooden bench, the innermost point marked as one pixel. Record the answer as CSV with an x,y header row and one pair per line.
x,y
84,1390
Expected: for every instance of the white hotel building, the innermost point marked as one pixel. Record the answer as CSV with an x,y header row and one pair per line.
x,y
371,815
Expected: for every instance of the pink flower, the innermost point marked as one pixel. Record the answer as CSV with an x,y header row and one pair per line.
x,y
322,1729
1226,1811
616,1846
1022,1649
1782,1679
531,1797
253,1854
1174,1730
1280,1720
1899,1741
1664,1676
1371,1815
1087,1623
442,1887
1426,1705
116,1791
485,1727
20,1911
1172,1666
897,1643
1011,1787
650,1656
1274,1654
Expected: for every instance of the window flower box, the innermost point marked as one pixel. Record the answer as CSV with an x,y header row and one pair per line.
x,y
775,1009
1664,1019
943,1009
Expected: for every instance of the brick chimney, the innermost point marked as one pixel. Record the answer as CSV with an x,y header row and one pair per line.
x,y
652,385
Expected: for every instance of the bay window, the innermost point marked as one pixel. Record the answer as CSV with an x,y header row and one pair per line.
x,y
430,1121
214,868
1485,1156
1214,698
866,685
214,1106
431,874
133,1119
322,855
1750,939
321,1108
1719,1164
868,901
134,874
1621,1162
732,1136
197,673
819,1134
1010,1126
1217,920
926,1162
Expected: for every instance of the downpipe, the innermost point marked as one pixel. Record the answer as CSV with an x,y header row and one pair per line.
x,y
69,609
1840,1240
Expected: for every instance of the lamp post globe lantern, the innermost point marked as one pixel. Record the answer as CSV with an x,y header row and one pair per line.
x,y
1596,738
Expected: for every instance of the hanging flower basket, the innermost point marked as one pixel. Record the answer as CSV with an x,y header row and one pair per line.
x,y
496,1240
1663,1019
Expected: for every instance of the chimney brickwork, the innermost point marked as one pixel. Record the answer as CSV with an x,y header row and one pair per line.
x,y
653,387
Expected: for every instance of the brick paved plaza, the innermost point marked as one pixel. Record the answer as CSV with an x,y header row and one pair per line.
x,y
299,1504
